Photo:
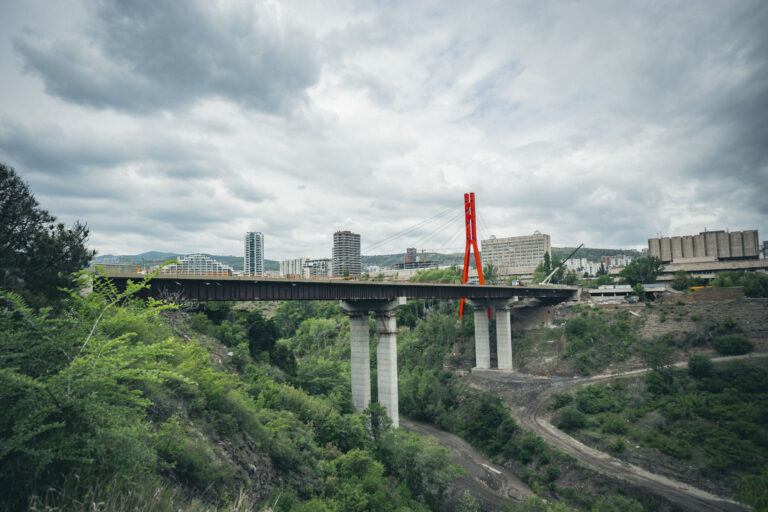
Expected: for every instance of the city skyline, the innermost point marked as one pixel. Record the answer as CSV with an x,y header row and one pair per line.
x,y
595,122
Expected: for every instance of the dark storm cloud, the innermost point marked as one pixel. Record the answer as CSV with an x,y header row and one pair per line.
x,y
148,55
51,149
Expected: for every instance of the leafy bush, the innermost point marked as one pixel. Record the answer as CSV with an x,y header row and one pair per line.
x,y
700,366
571,419
561,400
732,345
617,446
756,284
613,424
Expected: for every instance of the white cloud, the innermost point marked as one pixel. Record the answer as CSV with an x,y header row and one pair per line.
x,y
181,126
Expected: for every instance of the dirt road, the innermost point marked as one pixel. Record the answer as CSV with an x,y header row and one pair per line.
x,y
487,482
527,398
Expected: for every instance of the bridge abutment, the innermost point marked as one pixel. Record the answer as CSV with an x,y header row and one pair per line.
x,y
386,353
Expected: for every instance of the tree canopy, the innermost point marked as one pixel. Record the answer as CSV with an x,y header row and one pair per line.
x,y
37,255
642,270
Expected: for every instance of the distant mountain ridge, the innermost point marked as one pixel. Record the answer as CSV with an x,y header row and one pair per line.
x,y
150,258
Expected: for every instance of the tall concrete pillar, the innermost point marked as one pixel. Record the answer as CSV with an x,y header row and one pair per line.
x,y
386,357
361,360
482,341
503,337
386,353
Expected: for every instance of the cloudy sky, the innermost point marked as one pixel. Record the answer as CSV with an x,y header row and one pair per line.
x,y
179,126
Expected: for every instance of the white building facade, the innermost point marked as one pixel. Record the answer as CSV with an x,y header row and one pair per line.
x,y
197,265
516,255
293,267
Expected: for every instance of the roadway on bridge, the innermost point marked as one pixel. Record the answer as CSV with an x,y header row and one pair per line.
x,y
236,288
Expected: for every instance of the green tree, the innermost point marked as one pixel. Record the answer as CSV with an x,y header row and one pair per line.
x,y
468,503
602,280
571,419
755,284
700,366
642,270
638,290
571,278
681,280
37,255
491,273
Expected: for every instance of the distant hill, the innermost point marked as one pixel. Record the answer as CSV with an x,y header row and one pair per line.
x,y
157,257
151,258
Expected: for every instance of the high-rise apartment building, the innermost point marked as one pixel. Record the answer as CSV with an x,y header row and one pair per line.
x,y
253,262
346,254
516,255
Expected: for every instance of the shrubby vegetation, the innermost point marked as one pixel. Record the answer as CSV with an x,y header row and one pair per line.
x,y
108,395
755,283
712,416
438,275
111,402
597,337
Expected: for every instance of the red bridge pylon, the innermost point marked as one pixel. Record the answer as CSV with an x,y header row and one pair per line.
x,y
470,218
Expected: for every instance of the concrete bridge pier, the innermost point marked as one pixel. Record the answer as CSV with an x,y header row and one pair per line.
x,y
503,337
361,359
482,340
386,353
503,332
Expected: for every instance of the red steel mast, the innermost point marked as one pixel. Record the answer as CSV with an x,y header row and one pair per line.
x,y
470,218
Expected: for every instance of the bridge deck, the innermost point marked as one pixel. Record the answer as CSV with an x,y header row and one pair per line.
x,y
236,288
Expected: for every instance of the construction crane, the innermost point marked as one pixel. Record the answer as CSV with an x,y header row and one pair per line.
x,y
546,279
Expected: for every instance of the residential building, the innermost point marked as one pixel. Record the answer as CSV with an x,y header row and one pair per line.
x,y
582,266
197,265
253,262
346,254
618,261
411,255
517,255
317,268
293,268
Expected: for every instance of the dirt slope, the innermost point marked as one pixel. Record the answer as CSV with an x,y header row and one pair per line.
x,y
493,485
528,401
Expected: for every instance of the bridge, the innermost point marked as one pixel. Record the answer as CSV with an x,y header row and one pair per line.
x,y
358,299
